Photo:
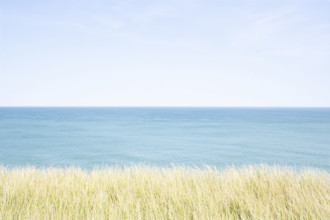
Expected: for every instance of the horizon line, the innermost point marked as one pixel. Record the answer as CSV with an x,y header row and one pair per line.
x,y
147,106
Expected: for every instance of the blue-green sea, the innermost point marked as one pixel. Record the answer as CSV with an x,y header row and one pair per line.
x,y
119,136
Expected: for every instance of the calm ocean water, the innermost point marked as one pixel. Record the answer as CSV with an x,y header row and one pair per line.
x,y
93,137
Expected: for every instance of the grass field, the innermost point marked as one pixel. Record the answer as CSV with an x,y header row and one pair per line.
x,y
259,192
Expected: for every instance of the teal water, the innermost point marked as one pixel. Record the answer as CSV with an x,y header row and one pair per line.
x,y
93,137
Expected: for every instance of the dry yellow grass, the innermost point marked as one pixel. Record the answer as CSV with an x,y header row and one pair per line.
x,y
260,192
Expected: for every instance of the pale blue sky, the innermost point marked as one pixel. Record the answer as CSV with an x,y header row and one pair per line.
x,y
165,53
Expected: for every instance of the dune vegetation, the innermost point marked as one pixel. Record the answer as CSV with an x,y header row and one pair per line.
x,y
255,192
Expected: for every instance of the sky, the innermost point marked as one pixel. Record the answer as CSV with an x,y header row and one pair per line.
x,y
165,53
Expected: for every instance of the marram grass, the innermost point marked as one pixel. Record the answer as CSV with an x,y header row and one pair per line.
x,y
260,192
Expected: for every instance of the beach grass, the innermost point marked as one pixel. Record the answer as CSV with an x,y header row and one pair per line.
x,y
140,192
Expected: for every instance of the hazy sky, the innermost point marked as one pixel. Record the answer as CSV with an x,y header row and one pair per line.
x,y
165,53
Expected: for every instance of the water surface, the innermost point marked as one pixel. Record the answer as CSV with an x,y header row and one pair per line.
x,y
89,137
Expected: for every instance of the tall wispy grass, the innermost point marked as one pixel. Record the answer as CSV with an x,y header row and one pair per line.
x,y
260,192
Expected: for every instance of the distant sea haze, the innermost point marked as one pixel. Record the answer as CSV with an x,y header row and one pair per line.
x,y
118,136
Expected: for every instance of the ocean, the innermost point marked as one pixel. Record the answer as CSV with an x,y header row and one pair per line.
x,y
92,137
